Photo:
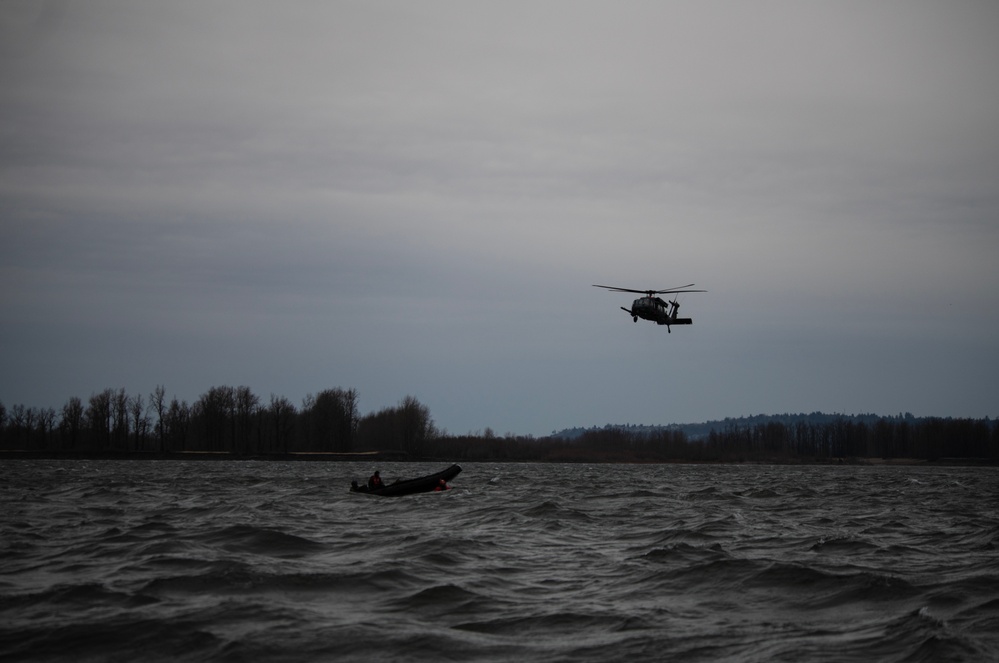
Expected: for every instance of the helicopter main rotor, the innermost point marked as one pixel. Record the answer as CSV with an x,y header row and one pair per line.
x,y
651,293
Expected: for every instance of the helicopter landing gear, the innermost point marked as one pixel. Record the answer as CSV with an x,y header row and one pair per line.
x,y
634,318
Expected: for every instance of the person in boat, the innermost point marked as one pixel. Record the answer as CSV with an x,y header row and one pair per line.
x,y
375,481
442,486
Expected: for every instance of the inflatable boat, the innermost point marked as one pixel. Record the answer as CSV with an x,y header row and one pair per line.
x,y
425,484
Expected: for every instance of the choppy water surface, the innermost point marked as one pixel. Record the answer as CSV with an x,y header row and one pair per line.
x,y
277,561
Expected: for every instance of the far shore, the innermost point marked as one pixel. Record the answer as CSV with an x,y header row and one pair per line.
x,y
401,456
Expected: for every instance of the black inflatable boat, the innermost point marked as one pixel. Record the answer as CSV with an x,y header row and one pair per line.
x,y
409,486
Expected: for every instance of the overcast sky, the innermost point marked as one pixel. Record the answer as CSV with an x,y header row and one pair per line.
x,y
415,198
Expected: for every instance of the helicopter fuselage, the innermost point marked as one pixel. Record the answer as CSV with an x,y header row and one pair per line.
x,y
659,311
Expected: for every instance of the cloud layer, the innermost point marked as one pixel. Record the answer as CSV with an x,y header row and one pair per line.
x,y
415,199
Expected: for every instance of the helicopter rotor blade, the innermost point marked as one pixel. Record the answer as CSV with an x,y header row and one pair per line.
x,y
682,288
610,287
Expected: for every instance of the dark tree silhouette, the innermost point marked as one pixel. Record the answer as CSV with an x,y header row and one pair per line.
x,y
157,402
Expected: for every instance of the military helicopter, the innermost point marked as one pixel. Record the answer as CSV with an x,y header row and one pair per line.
x,y
655,308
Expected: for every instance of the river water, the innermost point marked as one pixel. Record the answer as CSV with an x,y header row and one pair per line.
x,y
271,561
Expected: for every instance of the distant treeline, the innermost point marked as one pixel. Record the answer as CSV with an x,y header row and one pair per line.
x,y
698,431
233,420
817,436
224,419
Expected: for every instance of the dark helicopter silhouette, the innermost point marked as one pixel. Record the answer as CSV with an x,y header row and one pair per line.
x,y
651,307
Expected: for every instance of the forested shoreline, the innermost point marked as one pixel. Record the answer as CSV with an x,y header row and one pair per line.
x,y
233,422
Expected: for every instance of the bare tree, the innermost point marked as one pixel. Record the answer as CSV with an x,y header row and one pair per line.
x,y
245,406
407,427
416,427
282,416
17,424
332,419
214,411
44,425
71,423
140,420
98,419
178,424
119,415
157,401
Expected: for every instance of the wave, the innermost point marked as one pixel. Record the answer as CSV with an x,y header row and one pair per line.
x,y
844,545
260,541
